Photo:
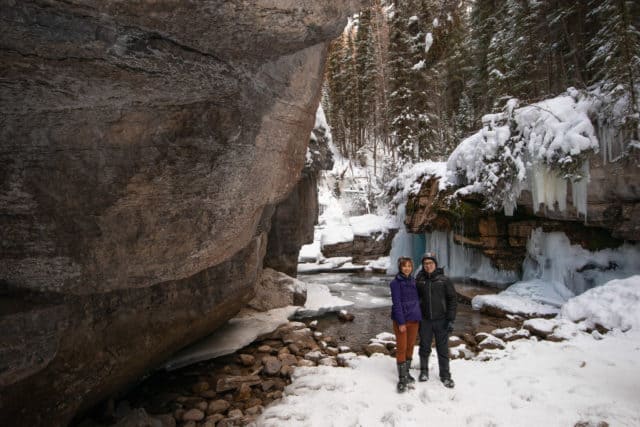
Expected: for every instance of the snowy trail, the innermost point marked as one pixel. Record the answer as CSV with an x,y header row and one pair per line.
x,y
528,384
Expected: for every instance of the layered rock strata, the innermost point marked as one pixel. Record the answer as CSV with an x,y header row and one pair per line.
x,y
362,248
613,199
143,146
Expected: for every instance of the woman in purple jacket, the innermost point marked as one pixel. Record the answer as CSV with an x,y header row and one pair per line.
x,y
406,316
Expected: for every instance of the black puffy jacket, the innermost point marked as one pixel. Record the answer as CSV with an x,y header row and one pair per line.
x,y
437,295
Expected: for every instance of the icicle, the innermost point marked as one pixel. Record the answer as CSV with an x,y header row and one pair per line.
x,y
550,189
579,191
461,261
565,270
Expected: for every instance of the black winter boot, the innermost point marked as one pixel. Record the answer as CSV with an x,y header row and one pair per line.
x,y
410,379
424,369
448,382
402,377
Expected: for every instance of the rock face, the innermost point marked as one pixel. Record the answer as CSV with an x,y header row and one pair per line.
x,y
292,224
143,146
613,199
362,248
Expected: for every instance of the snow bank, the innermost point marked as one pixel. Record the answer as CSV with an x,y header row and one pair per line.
x,y
320,301
335,234
539,147
366,225
511,302
410,180
613,305
310,252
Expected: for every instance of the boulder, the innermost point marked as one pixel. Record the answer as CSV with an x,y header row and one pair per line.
x,y
540,327
217,406
328,361
489,342
288,359
247,359
272,365
313,356
345,316
193,415
375,347
276,289
144,149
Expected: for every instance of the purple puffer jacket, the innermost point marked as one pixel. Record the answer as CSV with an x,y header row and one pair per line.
x,y
406,303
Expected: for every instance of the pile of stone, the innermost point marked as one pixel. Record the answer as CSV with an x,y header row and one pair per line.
x,y
480,344
233,391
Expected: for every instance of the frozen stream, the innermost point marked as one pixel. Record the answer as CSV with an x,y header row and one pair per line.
x,y
372,308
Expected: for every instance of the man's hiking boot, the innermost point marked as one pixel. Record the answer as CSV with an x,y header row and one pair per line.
x,y
410,379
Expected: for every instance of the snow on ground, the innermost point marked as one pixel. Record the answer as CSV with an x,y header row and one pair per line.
x,y
336,233
310,252
589,378
323,264
320,301
381,263
366,225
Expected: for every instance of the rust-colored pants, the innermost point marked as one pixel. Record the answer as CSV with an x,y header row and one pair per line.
x,y
405,341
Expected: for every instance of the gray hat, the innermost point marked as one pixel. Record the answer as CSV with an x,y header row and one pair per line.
x,y
431,256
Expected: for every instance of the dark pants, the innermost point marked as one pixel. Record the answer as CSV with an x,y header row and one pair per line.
x,y
437,328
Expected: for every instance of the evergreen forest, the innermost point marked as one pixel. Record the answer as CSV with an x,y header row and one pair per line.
x,y
412,78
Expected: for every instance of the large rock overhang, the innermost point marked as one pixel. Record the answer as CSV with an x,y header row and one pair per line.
x,y
140,144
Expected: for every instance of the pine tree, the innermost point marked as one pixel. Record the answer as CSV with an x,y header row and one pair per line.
x,y
336,95
365,71
483,25
616,54
402,114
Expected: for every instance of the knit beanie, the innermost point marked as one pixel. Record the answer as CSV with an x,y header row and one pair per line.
x,y
431,256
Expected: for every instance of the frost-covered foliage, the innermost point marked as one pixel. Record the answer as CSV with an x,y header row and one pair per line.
x,y
410,178
618,123
541,146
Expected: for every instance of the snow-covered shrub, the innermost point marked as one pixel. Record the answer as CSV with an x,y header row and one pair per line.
x,y
541,146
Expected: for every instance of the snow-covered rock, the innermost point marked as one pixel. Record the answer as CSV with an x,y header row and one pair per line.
x,y
613,305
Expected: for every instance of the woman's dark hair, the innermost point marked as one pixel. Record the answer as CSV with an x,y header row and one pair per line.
x,y
404,260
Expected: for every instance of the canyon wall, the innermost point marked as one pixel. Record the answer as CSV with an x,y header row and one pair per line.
x,y
144,145
613,214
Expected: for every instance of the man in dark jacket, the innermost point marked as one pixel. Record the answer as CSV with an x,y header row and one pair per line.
x,y
438,303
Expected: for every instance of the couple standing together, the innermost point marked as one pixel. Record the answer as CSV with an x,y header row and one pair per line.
x,y
426,304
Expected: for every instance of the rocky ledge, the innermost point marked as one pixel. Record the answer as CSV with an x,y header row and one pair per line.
x,y
144,146
613,197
